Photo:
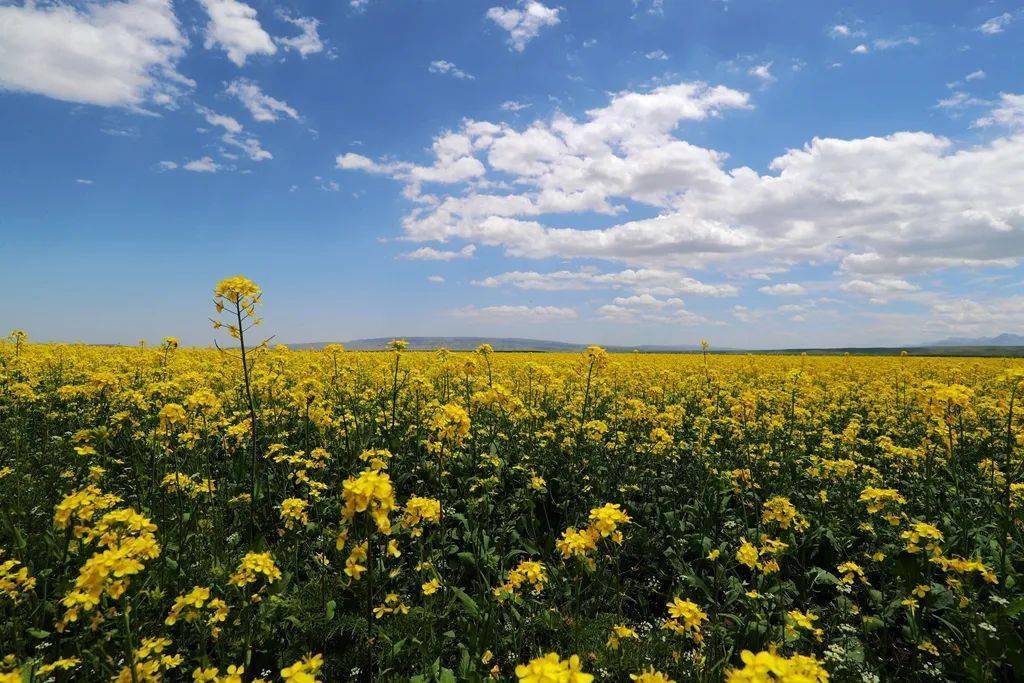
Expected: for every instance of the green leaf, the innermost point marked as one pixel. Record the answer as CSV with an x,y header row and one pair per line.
x,y
1015,607
467,602
331,605
38,633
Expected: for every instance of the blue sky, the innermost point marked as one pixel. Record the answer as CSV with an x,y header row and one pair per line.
x,y
754,173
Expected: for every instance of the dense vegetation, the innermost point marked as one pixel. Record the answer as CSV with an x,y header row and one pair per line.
x,y
206,515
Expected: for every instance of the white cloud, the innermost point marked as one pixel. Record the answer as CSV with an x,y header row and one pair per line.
x,y
975,75
839,31
744,314
436,279
306,43
248,144
959,100
514,106
524,23
889,43
519,314
84,181
969,316
762,71
203,165
263,107
454,163
114,54
652,281
234,135
228,123
167,165
645,301
996,24
870,263
1009,113
909,202
623,149
783,289
657,55
234,28
861,49
431,254
440,66
645,308
879,290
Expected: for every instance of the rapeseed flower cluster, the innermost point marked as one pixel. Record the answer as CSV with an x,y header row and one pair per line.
x,y
604,523
370,491
553,669
436,515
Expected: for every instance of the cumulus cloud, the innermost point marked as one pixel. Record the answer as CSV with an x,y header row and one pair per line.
x,y
228,123
646,301
516,314
234,28
308,42
969,316
645,308
646,280
454,163
745,314
996,24
436,279
117,54
263,107
893,205
431,254
879,290
762,71
624,149
203,165
525,22
783,289
885,285
440,66
1009,112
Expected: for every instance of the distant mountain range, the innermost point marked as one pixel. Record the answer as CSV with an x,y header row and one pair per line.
x,y
498,343
1007,345
1004,339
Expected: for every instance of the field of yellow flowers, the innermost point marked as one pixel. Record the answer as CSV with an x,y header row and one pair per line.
x,y
250,512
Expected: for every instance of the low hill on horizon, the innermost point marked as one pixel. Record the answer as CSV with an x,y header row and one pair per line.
x,y
949,347
498,343
1004,339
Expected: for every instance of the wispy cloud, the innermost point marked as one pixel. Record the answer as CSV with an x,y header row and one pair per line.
x,y
440,66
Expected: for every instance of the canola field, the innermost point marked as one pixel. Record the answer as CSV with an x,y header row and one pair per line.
x,y
193,514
